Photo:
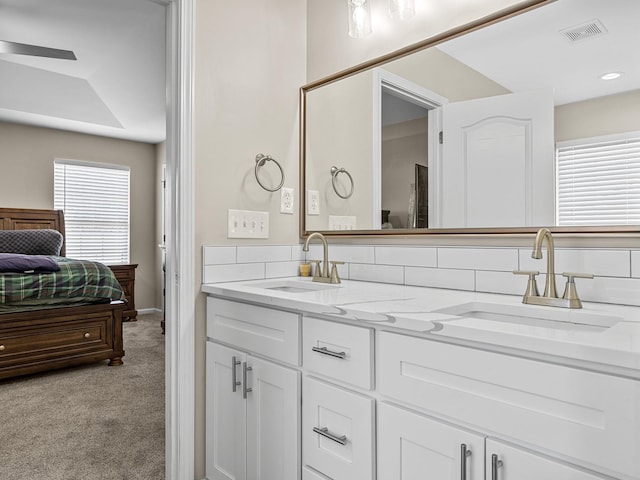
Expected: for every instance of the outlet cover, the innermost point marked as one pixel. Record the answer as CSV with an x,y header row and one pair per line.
x,y
313,202
247,224
286,200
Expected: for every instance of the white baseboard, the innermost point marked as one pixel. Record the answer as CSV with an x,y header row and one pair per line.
x,y
144,311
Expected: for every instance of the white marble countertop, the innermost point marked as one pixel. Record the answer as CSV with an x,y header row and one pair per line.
x,y
598,337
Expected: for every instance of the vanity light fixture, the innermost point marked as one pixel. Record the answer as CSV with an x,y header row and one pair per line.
x,y
359,18
402,9
611,76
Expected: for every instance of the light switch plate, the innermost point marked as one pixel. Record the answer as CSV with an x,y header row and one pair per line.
x,y
342,222
247,224
286,200
313,202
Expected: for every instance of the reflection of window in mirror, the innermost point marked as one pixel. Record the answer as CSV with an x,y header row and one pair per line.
x,y
598,180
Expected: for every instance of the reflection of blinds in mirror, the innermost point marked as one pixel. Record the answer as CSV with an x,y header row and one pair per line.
x,y
598,181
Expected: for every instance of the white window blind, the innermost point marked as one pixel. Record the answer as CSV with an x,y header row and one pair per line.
x,y
598,181
95,200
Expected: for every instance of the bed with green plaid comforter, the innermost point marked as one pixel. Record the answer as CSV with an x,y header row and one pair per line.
x,y
77,282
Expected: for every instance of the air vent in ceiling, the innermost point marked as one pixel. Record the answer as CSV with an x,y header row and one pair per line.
x,y
591,29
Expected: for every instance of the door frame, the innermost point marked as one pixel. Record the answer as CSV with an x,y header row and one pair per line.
x,y
180,250
419,95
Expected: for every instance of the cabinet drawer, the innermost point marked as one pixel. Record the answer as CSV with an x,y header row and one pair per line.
x,y
590,418
266,331
337,431
339,351
62,339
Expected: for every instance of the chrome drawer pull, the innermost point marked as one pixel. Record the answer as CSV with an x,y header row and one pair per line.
x,y
234,380
495,464
245,389
464,453
87,335
2,347
325,433
326,351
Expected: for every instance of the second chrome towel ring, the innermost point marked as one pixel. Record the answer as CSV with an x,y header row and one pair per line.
x,y
334,177
260,161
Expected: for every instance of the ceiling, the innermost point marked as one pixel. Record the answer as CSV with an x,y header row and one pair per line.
x,y
116,88
538,55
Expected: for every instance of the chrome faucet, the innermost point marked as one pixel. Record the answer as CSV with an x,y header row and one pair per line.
x,y
550,283
325,276
550,297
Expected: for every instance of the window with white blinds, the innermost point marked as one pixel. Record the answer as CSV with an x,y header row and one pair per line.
x,y
598,181
95,200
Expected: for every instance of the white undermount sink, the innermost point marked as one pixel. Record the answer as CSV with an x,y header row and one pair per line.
x,y
293,286
536,316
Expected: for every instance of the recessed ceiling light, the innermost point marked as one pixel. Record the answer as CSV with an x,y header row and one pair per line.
x,y
611,76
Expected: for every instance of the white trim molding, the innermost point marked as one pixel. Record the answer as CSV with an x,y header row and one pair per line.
x,y
180,288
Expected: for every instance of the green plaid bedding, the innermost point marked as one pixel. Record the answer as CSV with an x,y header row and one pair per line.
x,y
76,278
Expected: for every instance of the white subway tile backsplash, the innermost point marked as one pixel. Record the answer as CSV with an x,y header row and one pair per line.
x,y
635,263
218,255
413,256
376,273
297,253
500,259
352,253
460,268
233,273
282,269
608,263
624,291
264,253
500,282
440,278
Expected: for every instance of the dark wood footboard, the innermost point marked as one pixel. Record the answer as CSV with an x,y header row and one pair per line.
x,y
60,337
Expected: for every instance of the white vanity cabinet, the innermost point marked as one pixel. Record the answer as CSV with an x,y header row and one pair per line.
x,y
584,418
414,447
252,404
291,396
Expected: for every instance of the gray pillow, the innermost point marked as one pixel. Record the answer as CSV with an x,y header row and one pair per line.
x,y
15,263
31,242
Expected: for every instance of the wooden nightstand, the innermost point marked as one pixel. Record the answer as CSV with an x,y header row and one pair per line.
x,y
126,275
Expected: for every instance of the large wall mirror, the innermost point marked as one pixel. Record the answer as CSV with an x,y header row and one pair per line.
x,y
529,119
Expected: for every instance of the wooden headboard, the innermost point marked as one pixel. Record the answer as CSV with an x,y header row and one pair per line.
x,y
26,218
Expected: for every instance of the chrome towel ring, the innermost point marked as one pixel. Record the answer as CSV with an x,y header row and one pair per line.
x,y
260,161
334,176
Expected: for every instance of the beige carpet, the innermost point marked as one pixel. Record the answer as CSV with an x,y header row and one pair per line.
x,y
91,422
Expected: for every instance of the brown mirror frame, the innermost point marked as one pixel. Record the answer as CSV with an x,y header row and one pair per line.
x,y
499,16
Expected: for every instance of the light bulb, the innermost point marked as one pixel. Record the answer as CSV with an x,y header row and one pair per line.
x,y
359,18
401,9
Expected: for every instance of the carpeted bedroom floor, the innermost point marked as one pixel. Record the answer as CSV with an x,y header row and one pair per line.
x,y
91,422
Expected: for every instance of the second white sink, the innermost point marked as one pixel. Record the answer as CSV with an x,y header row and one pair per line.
x,y
547,317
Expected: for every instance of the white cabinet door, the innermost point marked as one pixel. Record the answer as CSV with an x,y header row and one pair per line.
x,y
415,447
225,415
273,421
505,462
337,431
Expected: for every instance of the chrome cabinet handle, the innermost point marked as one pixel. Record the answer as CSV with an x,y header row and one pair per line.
x,y
464,453
234,379
245,389
326,351
325,433
495,465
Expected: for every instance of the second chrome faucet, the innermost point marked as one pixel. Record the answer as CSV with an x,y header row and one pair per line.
x,y
550,298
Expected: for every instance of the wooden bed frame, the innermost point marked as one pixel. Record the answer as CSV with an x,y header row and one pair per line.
x,y
50,338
